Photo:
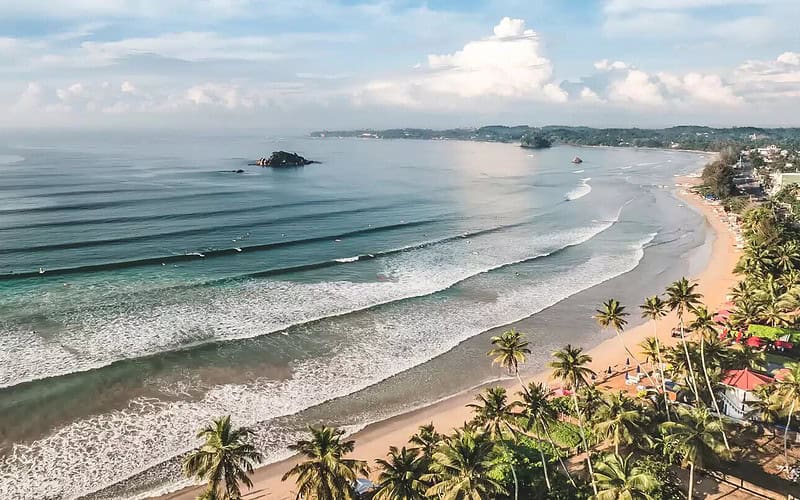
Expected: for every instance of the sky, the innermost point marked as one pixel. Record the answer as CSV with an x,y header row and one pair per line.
x,y
328,64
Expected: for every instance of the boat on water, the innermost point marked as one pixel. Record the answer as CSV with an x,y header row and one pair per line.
x,y
577,160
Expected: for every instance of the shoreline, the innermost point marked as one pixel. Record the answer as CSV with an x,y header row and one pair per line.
x,y
373,440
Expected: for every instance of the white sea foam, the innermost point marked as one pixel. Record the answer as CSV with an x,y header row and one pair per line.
x,y
92,338
98,451
347,259
578,171
580,191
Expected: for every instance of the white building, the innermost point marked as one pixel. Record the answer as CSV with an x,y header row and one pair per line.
x,y
738,396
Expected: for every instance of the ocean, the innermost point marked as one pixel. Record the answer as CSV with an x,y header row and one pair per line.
x,y
145,287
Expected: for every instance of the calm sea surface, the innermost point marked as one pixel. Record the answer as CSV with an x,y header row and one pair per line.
x,y
145,288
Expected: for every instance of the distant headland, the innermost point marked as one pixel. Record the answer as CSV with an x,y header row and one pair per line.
x,y
680,137
283,159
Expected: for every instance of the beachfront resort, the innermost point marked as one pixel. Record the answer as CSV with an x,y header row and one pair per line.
x,y
702,405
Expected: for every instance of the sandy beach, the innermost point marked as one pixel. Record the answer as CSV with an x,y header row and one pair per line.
x,y
373,441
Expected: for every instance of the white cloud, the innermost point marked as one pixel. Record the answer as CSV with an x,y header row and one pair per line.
x,y
508,64
770,80
127,87
696,87
589,95
637,87
790,58
606,65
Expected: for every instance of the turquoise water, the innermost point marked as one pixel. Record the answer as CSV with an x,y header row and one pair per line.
x,y
145,288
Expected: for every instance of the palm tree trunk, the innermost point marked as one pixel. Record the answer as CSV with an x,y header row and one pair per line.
x,y
711,391
661,372
691,479
692,379
625,346
516,484
544,467
583,439
560,460
786,437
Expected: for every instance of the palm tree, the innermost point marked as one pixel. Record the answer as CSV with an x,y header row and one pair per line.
x,y
463,466
619,420
326,474
510,350
537,415
773,315
426,440
654,308
224,457
618,478
787,391
494,413
695,435
612,315
401,475
741,356
704,324
681,297
787,256
747,311
570,367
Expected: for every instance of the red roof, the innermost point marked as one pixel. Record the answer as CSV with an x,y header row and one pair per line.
x,y
745,379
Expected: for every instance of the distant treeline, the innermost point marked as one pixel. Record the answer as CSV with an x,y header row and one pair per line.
x,y
683,137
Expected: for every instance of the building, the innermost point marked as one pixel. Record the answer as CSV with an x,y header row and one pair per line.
x,y
738,396
784,179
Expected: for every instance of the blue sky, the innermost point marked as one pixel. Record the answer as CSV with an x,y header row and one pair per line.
x,y
310,64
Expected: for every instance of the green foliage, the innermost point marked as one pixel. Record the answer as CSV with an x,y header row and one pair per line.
x,y
736,204
524,456
772,333
225,458
535,140
565,434
668,482
718,178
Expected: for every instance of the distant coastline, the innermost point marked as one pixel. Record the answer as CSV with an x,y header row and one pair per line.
x,y
681,138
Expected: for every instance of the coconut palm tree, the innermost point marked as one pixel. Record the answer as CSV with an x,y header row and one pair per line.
x,y
510,350
537,414
426,440
494,413
463,466
773,315
741,356
225,457
654,308
787,256
619,420
401,475
747,311
696,435
612,315
681,297
704,325
618,478
787,391
570,367
326,473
